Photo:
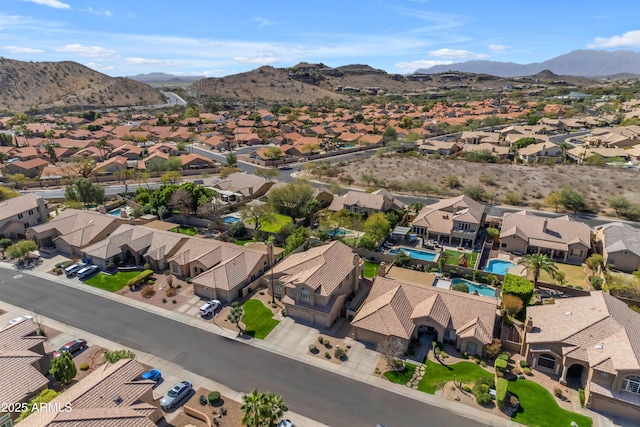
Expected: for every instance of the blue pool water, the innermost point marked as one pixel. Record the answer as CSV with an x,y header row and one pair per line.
x,y
115,212
498,266
483,290
338,232
416,254
230,219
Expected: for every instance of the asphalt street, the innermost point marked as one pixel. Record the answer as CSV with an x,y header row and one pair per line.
x,y
321,395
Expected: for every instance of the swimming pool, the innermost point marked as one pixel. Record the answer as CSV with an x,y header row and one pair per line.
x,y
416,254
115,212
230,219
338,232
484,290
498,266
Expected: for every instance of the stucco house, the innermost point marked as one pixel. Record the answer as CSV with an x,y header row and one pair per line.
x,y
358,202
20,213
455,221
561,239
542,151
591,342
314,285
246,185
400,309
620,245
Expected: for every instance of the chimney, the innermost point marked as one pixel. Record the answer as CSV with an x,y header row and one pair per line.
x,y
529,324
382,270
270,253
455,210
544,225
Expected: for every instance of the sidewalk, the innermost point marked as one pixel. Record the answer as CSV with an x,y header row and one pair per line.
x,y
289,339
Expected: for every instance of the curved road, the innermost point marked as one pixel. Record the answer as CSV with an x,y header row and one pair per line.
x,y
315,393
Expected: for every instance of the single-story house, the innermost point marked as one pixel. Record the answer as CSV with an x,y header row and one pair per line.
x,y
620,245
250,186
541,151
358,202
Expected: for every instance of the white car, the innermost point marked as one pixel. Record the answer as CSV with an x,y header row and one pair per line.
x,y
209,307
20,319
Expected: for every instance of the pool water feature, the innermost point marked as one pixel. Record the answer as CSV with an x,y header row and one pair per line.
x,y
338,232
115,212
498,266
484,290
416,254
230,219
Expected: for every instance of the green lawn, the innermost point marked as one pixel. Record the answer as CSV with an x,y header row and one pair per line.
x,y
575,274
451,257
111,282
371,269
275,224
538,408
401,377
436,375
258,319
189,231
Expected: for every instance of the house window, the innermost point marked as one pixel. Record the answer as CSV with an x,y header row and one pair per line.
x,y
20,216
305,295
39,220
30,211
631,384
625,252
576,252
5,421
26,225
547,361
277,288
176,269
503,245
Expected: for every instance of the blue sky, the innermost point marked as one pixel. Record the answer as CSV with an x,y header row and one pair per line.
x,y
218,38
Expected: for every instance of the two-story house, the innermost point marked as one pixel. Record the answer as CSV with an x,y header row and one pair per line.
x,y
455,221
314,285
620,245
357,202
20,213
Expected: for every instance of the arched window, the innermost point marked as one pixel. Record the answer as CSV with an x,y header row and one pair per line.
x,y
305,295
547,361
631,384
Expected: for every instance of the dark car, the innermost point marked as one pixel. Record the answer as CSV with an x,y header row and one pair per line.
x,y
71,347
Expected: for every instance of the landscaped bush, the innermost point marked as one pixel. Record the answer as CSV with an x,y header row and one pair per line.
x,y
203,399
140,278
84,366
526,371
596,282
465,355
148,291
164,300
339,353
321,340
501,392
557,391
504,356
500,365
517,370
223,411
581,394
467,389
327,355
494,349
213,397
481,392
147,266
171,292
524,364
518,286
313,349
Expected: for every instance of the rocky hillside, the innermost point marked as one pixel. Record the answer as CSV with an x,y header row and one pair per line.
x,y
47,85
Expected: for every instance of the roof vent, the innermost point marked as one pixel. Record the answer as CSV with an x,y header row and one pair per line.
x,y
567,313
90,221
599,347
117,399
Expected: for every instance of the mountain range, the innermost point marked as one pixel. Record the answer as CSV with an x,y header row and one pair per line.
x,y
583,63
164,78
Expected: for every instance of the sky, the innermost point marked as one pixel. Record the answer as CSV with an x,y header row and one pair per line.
x,y
216,38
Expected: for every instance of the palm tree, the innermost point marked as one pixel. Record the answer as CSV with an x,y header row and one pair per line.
x,y
251,408
537,263
273,407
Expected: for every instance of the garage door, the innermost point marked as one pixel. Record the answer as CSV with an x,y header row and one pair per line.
x,y
615,408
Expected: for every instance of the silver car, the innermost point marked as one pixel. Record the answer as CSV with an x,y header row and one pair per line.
x,y
173,396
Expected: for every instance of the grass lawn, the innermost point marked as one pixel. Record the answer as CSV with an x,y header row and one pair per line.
x,y
113,282
539,408
371,269
401,377
189,231
258,319
575,274
451,257
436,375
275,224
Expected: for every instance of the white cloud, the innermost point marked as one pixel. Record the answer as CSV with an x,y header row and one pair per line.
x,y
156,62
99,67
260,59
410,67
57,4
628,39
19,50
263,22
90,51
456,54
498,48
104,12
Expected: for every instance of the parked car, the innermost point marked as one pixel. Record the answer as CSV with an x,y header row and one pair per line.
x,y
20,319
177,393
73,269
71,347
153,375
87,271
285,423
209,307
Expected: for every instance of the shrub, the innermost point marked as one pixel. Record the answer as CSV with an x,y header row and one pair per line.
x,y
581,394
504,356
500,365
494,348
148,291
327,355
171,292
147,266
339,353
321,340
481,392
461,287
164,300
223,411
465,355
213,397
524,364
261,293
517,370
526,371
178,286
483,363
140,278
557,391
313,348
150,282
512,304
84,366
501,392
377,371
596,282
203,399
467,389
518,286
174,301
188,280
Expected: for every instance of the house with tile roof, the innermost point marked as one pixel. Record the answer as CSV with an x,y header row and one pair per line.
x,y
542,151
110,166
23,366
29,168
400,309
136,245
620,245
247,185
113,395
314,284
590,342
20,213
455,221
561,239
358,202
218,270
73,230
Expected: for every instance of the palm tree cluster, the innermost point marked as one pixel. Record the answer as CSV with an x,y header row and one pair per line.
x,y
537,263
262,409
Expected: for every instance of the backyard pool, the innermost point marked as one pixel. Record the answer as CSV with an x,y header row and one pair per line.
x,y
416,254
498,266
338,232
115,212
230,219
484,290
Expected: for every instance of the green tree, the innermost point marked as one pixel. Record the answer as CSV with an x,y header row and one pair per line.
x,y
258,214
114,356
103,147
389,134
561,278
51,152
181,201
475,192
4,244
493,232
45,396
571,199
402,259
619,203
377,225
522,143
273,408
296,239
272,154
332,222
235,315
125,176
21,249
595,261
461,287
292,199
262,408
553,199
537,263
3,156
267,173
171,177
18,179
83,190
232,159
84,166
335,188
63,368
